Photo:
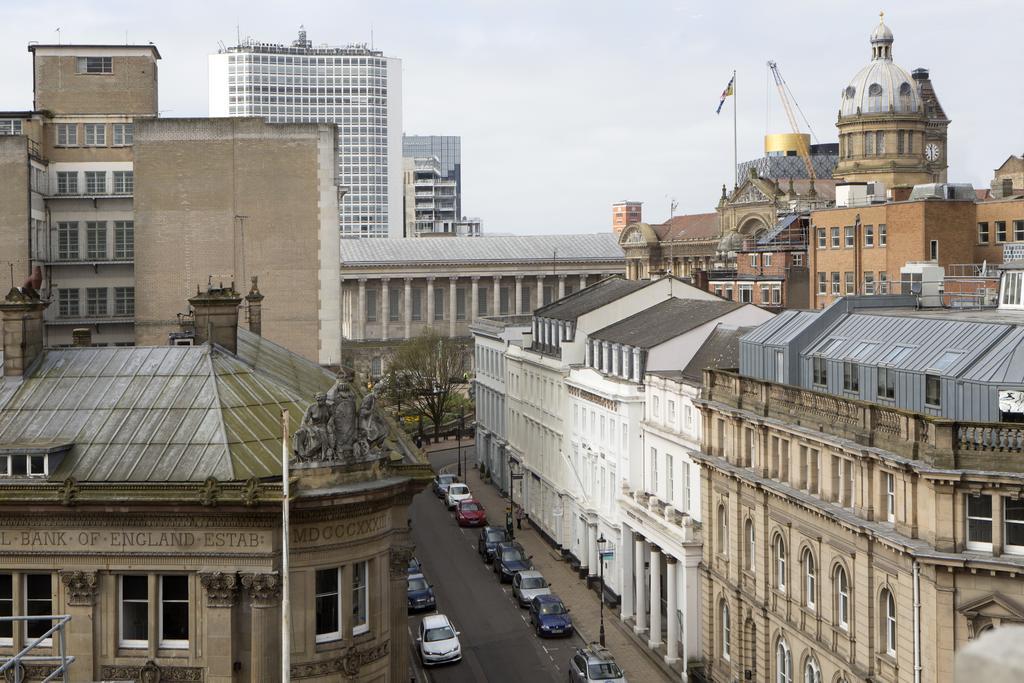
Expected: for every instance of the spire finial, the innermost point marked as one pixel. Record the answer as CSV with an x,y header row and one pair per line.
x,y
881,17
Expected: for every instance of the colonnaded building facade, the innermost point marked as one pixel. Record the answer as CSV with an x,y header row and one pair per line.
x,y
140,494
861,479
395,289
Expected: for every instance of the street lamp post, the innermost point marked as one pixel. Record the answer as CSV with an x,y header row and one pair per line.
x,y
601,541
458,436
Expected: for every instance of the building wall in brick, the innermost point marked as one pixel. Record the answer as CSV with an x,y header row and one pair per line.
x,y
195,180
131,88
14,205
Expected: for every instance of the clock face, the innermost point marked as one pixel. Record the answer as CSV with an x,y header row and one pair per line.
x,y
931,151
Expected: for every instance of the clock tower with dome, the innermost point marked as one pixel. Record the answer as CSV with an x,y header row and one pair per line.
x,y
892,128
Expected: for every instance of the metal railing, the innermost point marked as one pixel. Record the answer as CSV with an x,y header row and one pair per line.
x,y
14,669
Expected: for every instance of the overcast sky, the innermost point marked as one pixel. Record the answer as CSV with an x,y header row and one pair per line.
x,y
567,106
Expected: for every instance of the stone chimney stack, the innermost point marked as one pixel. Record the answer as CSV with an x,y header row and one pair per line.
x,y
81,336
255,301
216,313
22,318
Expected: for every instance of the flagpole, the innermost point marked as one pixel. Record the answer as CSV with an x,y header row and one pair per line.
x,y
735,160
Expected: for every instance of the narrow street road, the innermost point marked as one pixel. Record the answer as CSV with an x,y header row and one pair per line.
x,y
497,642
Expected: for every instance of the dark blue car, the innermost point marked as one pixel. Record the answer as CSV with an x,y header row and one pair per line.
x,y
420,594
510,558
549,617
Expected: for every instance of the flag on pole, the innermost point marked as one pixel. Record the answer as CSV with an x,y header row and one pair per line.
x,y
725,93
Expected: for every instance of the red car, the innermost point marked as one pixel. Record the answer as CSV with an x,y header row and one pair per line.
x,y
471,513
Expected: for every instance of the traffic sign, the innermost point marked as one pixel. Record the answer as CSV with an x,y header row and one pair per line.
x,y
607,554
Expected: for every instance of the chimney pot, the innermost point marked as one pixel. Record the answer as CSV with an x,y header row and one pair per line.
x,y
216,317
255,303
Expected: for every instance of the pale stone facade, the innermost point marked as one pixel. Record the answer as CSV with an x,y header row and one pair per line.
x,y
837,536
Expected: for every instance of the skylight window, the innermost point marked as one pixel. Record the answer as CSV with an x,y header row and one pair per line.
x,y
829,344
862,350
946,360
897,354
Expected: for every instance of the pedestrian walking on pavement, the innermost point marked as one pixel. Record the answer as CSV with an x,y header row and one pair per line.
x,y
508,520
519,517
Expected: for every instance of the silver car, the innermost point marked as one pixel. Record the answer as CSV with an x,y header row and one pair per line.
x,y
594,663
529,584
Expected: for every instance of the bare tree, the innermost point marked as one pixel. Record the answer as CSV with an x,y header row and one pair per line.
x,y
424,373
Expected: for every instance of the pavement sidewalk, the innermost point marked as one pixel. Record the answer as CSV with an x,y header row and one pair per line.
x,y
583,602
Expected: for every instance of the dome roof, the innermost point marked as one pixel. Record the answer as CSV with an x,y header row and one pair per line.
x,y
882,84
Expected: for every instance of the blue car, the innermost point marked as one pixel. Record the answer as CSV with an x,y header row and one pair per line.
x,y
549,617
420,594
510,558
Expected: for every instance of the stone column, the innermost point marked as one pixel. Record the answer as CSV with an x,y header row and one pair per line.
x,y
474,298
589,351
519,296
561,286
616,359
408,302
655,638
540,291
626,565
592,558
691,604
264,594
640,623
452,282
430,301
81,588
583,281
361,314
385,307
672,647
496,296
221,595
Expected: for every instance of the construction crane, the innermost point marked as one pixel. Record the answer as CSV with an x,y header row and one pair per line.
x,y
785,95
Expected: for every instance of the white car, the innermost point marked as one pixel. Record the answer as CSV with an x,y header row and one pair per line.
x,y
438,641
529,584
456,493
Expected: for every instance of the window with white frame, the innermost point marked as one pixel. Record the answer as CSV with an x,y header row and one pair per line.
x,y
96,301
95,182
780,563
726,631
783,663
889,481
685,473
6,609
67,241
842,589
96,239
124,239
124,182
671,410
328,604
68,303
123,134
67,134
654,469
723,530
812,674
810,579
10,126
134,611
174,611
688,411
124,302
67,182
94,65
360,597
95,134
888,625
750,538
1013,525
979,522
670,484
655,406
38,602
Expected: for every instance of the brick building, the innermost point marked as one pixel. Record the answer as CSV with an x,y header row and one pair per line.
x,y
626,213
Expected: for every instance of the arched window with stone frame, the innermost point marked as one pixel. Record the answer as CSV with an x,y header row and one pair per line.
x,y
874,98
750,545
887,621
841,588
779,552
783,662
810,578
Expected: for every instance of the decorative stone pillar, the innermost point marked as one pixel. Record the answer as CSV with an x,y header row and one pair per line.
x,y
519,295
616,359
540,291
640,622
655,637
561,286
592,562
264,594
430,301
496,296
407,304
361,311
81,588
452,304
672,581
626,565
691,603
636,365
385,307
474,300
221,595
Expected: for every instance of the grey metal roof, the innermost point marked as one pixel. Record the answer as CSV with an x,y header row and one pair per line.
x,y
163,413
664,321
1003,362
505,249
590,298
875,340
720,350
782,328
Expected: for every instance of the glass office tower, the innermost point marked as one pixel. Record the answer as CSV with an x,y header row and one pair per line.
x,y
356,88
